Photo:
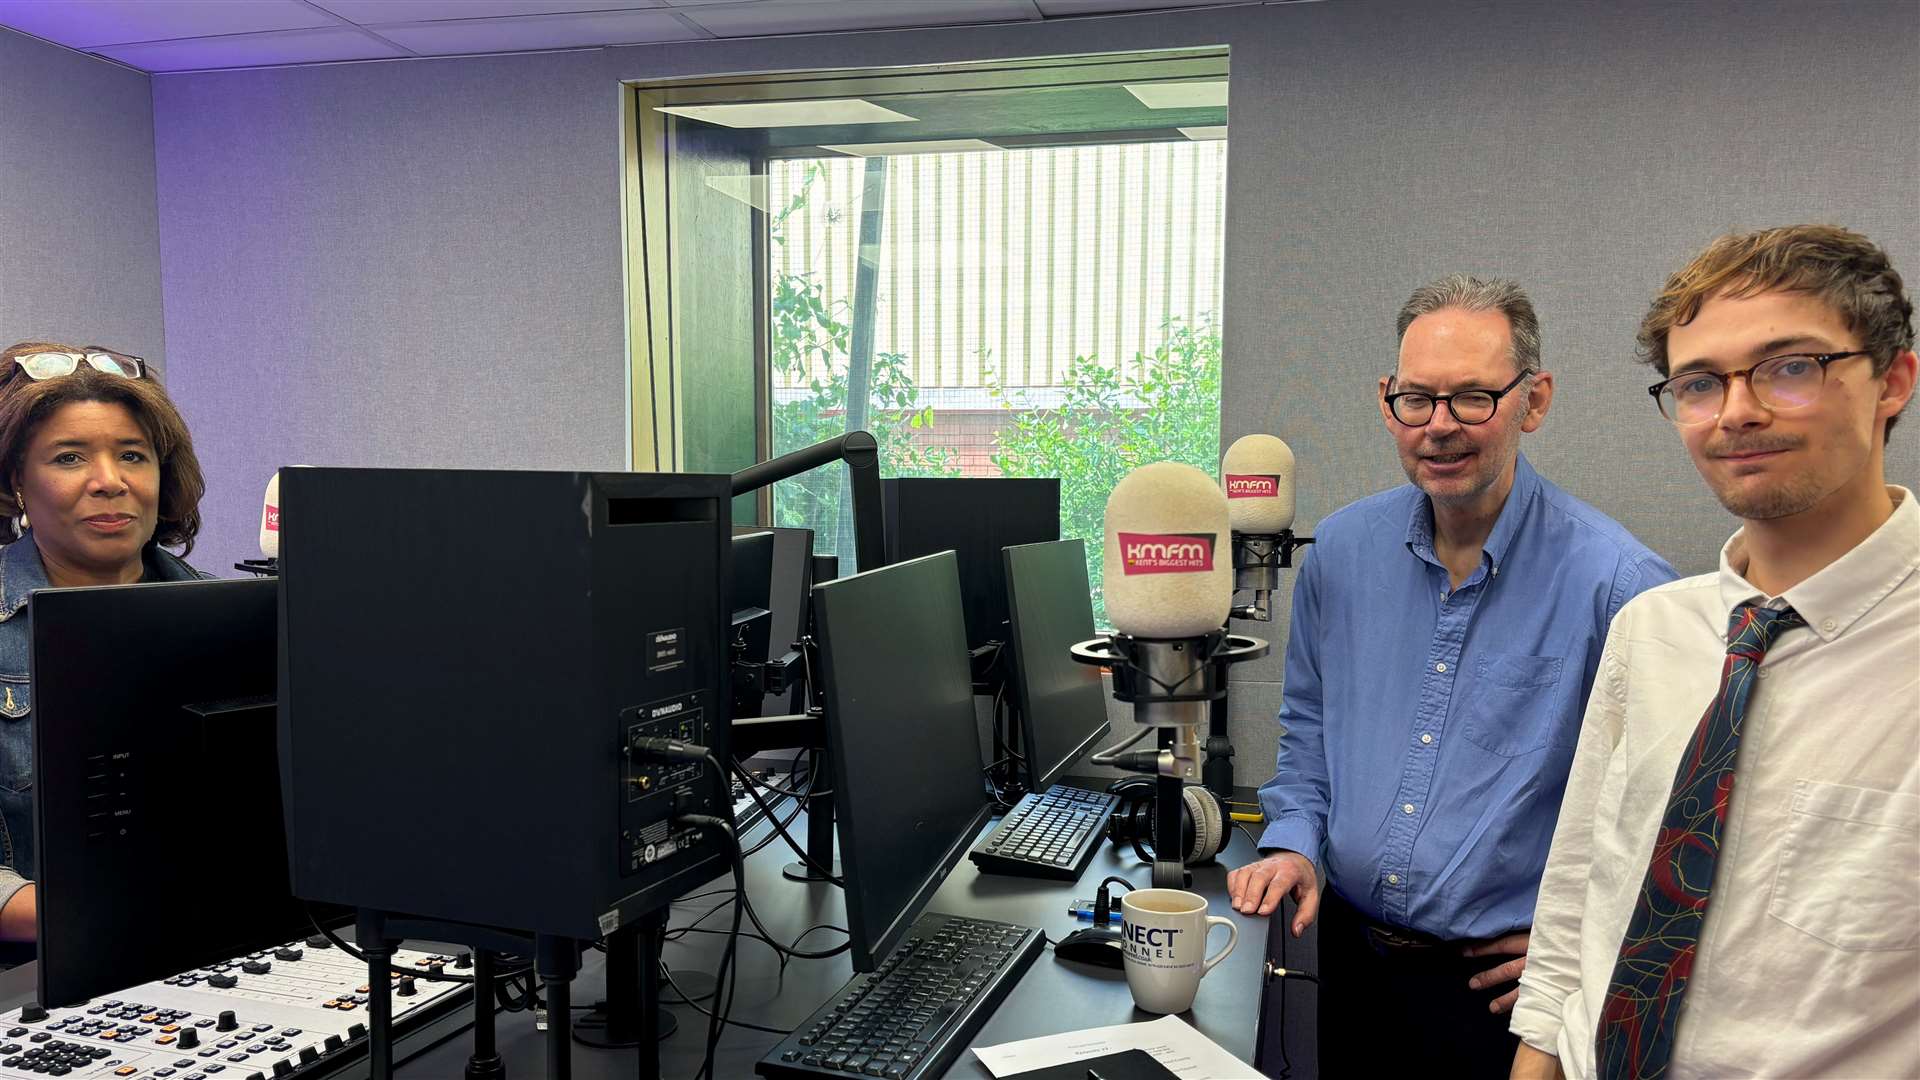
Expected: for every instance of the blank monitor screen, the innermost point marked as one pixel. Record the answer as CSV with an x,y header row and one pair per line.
x,y
1062,705
156,782
906,755
974,517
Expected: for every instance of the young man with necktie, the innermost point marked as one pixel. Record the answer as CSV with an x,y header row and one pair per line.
x,y
1734,883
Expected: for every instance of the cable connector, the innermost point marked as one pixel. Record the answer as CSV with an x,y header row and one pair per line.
x,y
1274,971
654,749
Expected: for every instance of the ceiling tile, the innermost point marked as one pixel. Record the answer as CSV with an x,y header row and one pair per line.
x,y
812,16
514,34
1055,8
117,22
371,12
253,50
1205,134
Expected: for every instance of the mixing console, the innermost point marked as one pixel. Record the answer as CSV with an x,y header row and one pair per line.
x,y
293,1011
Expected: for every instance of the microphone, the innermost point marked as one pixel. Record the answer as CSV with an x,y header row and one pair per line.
x,y
1257,473
1166,575
1257,476
270,519
268,564
1169,589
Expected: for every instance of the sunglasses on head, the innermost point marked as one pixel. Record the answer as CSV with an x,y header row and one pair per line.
x,y
54,364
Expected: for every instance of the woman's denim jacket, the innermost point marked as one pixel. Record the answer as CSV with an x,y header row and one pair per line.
x,y
21,572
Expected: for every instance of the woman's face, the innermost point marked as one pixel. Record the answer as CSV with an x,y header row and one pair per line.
x,y
91,483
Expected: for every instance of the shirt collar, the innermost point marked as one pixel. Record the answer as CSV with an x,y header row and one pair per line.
x,y
21,572
1836,597
1526,484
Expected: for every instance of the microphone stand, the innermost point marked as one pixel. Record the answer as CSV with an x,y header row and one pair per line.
x,y
1258,559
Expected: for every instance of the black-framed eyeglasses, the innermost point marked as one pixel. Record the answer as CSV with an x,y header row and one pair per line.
x,y
1467,406
56,363
1781,383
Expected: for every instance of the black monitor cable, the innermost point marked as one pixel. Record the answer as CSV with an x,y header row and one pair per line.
x,y
798,849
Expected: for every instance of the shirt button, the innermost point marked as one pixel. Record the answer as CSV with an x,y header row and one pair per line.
x,y
1427,738
1763,673
1406,808
1827,625
1440,667
1393,879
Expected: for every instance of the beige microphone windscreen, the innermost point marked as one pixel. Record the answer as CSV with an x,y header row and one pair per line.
x,y
1169,555
1257,473
270,520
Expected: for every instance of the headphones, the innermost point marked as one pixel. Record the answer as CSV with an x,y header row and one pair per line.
x,y
1203,820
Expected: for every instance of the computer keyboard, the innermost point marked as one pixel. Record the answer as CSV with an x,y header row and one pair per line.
x,y
1049,834
914,1015
292,1011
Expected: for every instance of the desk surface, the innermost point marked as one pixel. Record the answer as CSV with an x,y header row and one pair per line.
x,y
1054,996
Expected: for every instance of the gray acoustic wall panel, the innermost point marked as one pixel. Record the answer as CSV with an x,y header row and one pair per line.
x,y
79,233
409,264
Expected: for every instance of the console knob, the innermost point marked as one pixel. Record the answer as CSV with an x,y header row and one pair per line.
x,y
189,1038
407,988
226,1022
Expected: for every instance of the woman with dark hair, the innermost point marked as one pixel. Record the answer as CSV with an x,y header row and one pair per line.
x,y
98,472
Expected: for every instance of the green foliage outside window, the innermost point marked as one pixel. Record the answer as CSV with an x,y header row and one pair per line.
x,y
1159,406
1162,406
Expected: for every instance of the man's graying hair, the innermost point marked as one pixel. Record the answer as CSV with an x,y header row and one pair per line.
x,y
1469,293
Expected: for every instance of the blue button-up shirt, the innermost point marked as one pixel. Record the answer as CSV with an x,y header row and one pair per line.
x,y
1427,731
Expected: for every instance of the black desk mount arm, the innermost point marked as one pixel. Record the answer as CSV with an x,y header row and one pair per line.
x,y
862,454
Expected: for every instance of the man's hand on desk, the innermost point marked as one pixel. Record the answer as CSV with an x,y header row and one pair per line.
x,y
1257,888
1514,945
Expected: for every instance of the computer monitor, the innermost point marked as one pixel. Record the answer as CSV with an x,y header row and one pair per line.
x,y
156,783
974,517
1061,705
787,599
906,756
750,586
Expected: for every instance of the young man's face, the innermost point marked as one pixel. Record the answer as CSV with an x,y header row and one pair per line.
x,y
1768,463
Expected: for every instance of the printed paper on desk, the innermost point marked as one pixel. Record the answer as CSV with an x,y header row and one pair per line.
x,y
1170,1040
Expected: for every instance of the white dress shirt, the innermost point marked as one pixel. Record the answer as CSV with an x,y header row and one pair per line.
x,y
1809,959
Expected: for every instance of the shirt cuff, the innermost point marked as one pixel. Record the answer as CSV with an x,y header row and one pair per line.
x,y
1537,1021
1294,832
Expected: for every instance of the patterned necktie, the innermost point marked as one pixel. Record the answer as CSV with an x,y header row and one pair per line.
x,y
1649,980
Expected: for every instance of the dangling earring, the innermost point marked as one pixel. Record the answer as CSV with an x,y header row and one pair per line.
x,y
20,523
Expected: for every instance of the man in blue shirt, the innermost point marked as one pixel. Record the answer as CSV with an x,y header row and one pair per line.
x,y
1444,638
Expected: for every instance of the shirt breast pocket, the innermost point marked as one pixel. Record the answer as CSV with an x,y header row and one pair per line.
x,y
1511,706
16,733
1847,867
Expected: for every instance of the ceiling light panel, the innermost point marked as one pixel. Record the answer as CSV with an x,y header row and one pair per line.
x,y
767,114
1180,95
896,149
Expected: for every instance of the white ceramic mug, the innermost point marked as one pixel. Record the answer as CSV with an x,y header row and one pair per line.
x,y
1163,934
